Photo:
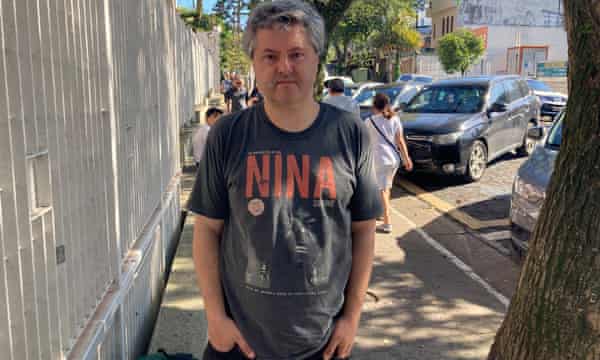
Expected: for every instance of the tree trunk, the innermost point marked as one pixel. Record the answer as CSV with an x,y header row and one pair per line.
x,y
555,313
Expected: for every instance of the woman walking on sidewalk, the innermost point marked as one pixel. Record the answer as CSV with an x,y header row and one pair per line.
x,y
389,151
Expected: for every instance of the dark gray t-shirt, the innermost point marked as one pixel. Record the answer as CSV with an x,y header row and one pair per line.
x,y
288,201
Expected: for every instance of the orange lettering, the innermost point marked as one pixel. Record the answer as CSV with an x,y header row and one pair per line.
x,y
253,172
295,176
278,168
325,178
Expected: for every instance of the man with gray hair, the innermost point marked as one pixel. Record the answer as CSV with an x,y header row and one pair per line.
x,y
285,202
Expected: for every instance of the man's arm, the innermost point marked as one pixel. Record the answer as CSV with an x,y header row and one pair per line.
x,y
223,334
205,252
363,242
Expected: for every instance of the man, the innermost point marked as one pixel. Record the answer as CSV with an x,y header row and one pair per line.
x,y
337,98
226,84
255,97
237,96
199,140
285,204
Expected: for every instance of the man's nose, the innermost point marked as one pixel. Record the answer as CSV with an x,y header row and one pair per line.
x,y
284,65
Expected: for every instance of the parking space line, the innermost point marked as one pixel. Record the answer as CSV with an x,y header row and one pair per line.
x,y
453,259
497,235
449,209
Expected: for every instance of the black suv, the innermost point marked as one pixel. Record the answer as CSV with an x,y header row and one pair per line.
x,y
457,126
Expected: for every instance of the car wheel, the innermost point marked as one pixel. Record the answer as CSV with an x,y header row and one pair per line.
x,y
477,162
528,144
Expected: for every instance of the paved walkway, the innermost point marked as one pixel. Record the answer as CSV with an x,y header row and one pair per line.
x,y
420,304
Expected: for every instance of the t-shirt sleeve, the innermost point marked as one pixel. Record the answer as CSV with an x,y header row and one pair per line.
x,y
209,196
399,128
366,200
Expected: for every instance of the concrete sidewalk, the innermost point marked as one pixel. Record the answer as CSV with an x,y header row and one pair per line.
x,y
420,305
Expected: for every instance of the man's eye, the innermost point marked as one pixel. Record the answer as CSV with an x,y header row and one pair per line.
x,y
297,56
269,57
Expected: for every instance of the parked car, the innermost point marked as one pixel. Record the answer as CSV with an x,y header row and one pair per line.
x,y
423,79
531,181
551,102
393,90
455,127
364,85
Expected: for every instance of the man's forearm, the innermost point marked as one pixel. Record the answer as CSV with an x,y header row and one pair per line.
x,y
205,252
363,241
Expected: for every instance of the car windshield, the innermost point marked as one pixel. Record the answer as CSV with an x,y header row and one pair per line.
x,y
555,136
538,85
448,99
365,98
406,77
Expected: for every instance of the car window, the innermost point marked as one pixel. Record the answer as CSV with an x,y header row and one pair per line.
x,y
406,96
538,85
448,99
498,94
364,95
406,77
555,136
513,90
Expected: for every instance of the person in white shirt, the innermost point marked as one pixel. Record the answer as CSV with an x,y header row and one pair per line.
x,y
199,140
389,151
337,98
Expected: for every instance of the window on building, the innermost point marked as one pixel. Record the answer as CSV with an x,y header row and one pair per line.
x,y
443,26
433,32
451,24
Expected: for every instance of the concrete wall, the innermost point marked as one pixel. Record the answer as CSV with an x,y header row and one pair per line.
x,y
437,21
500,38
94,93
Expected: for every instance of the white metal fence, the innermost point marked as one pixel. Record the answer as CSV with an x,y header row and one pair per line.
x,y
93,94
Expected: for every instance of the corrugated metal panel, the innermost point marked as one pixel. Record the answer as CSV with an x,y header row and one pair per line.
x,y
93,96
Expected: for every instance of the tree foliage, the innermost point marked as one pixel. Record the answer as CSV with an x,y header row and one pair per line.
x,y
459,50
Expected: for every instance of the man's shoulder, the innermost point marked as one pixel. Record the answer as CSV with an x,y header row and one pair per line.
x,y
342,118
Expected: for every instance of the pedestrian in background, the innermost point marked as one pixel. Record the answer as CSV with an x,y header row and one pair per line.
x,y
336,97
255,97
199,140
226,83
236,98
389,150
285,204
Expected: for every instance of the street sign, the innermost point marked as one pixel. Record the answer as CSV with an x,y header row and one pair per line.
x,y
552,69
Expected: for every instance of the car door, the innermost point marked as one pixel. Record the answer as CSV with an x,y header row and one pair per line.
x,y
519,112
498,122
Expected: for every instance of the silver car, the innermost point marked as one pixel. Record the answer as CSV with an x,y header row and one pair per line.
x,y
529,187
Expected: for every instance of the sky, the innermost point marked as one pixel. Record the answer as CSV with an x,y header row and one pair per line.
x,y
206,4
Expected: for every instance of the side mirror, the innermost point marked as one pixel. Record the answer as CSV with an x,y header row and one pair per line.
x,y
497,108
535,133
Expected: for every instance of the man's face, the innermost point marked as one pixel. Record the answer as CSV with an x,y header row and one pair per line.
x,y
285,64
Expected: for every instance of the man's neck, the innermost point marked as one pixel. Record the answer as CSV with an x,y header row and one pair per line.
x,y
293,118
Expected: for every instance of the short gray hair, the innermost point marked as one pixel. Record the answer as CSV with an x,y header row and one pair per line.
x,y
283,13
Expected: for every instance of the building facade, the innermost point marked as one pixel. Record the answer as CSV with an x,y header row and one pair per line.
x,y
505,24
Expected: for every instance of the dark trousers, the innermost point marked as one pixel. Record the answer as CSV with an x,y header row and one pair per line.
x,y
211,354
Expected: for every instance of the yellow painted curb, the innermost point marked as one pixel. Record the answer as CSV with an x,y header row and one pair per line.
x,y
449,209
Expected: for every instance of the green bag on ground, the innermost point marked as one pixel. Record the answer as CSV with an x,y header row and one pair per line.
x,y
163,355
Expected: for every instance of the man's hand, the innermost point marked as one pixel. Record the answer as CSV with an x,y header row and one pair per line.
x,y
408,165
342,339
223,335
